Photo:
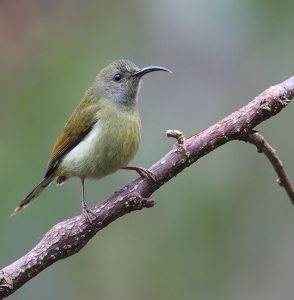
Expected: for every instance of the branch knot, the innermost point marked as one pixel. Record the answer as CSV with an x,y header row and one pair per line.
x,y
177,134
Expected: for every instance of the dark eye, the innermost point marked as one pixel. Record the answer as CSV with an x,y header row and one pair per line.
x,y
117,77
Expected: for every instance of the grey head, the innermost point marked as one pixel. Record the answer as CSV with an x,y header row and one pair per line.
x,y
120,81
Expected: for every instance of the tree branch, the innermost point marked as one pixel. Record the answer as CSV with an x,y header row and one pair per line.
x,y
70,236
264,147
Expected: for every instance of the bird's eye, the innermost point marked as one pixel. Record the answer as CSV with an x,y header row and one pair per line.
x,y
117,77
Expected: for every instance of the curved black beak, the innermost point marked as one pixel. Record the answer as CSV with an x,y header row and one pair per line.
x,y
146,70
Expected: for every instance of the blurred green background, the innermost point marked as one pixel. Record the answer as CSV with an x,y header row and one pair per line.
x,y
223,229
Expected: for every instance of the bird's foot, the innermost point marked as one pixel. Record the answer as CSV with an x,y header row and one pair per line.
x,y
87,212
142,172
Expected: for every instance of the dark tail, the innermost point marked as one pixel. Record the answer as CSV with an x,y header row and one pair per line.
x,y
33,194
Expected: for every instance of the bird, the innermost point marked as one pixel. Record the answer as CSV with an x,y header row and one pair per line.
x,y
102,134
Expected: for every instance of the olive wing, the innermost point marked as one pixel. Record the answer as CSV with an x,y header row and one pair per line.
x,y
78,126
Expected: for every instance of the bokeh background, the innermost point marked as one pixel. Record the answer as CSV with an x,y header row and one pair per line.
x,y
223,229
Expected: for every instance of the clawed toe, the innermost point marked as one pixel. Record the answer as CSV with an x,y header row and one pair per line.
x,y
88,214
143,172
148,174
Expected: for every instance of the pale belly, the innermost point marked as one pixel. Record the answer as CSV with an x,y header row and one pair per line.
x,y
103,151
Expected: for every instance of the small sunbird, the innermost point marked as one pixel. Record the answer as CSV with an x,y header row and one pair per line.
x,y
103,133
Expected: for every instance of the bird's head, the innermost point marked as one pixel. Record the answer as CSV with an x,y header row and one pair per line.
x,y
120,81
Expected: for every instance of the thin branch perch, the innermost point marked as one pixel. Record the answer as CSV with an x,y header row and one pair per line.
x,y
70,236
264,147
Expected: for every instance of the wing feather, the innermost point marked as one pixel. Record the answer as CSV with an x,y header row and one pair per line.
x,y
78,126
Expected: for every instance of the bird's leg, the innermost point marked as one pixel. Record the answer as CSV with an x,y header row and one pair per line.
x,y
85,208
142,172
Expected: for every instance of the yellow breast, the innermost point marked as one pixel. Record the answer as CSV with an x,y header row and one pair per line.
x,y
109,146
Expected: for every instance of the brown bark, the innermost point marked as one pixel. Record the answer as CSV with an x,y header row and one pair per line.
x,y
70,236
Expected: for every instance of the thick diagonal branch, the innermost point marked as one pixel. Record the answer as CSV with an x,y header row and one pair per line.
x,y
70,236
